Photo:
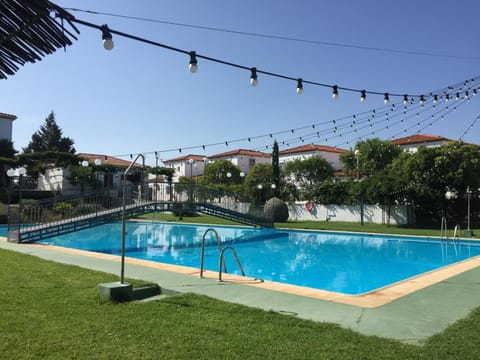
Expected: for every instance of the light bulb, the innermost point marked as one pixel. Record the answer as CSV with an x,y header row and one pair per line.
x,y
335,92
193,65
363,97
386,99
106,37
405,99
253,77
299,87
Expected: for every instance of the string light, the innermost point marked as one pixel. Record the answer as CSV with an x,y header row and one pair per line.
x,y
363,96
405,100
253,77
435,99
447,98
386,99
193,66
106,37
299,86
422,100
334,92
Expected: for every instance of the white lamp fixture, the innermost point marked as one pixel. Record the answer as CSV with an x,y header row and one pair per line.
x,y
335,92
299,86
85,163
363,96
386,98
107,38
193,65
98,162
253,77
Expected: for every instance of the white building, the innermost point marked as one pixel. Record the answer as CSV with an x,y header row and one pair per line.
x,y
412,142
331,154
6,126
244,159
187,166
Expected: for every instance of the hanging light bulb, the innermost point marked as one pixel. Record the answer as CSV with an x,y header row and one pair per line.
x,y
253,76
435,99
447,97
193,66
363,96
405,99
466,95
299,86
457,96
335,92
106,37
422,100
386,99
474,92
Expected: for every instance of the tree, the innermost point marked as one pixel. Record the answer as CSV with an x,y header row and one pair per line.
x,y
49,137
6,149
259,175
310,171
374,156
275,169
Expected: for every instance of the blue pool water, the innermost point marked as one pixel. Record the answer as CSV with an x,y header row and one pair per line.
x,y
345,263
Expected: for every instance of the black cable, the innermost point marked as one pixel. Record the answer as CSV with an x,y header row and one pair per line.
x,y
277,37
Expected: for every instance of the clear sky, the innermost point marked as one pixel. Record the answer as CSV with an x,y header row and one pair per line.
x,y
139,98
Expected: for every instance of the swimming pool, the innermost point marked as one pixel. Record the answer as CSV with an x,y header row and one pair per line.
x,y
346,263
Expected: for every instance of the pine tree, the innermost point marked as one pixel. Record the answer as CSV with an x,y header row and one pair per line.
x,y
275,169
49,138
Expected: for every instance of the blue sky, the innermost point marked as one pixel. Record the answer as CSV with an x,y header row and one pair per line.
x,y
139,98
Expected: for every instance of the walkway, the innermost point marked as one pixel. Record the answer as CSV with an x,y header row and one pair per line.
x,y
411,318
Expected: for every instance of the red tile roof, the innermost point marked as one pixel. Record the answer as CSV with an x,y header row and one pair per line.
x,y
107,160
241,152
7,116
185,158
311,148
419,139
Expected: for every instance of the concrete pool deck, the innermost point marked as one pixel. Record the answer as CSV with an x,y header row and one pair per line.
x,y
410,311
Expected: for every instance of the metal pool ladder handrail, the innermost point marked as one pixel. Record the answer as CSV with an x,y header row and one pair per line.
x,y
221,261
443,228
219,245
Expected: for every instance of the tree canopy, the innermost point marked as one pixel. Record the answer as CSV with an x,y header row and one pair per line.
x,y
50,138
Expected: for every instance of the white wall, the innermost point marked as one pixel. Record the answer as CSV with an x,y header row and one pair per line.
x,y
6,129
371,214
331,157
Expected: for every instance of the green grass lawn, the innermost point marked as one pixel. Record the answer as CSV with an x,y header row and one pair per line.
x,y
52,311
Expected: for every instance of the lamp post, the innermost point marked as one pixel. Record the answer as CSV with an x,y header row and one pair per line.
x,y
84,165
98,162
259,187
469,194
191,162
357,157
12,174
156,180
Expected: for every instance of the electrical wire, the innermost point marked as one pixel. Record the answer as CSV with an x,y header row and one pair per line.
x,y
278,37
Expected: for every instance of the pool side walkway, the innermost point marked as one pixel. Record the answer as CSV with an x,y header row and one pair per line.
x,y
411,318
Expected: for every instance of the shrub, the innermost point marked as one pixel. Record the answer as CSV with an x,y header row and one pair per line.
x,y
276,210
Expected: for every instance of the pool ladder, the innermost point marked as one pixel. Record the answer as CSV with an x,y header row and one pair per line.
x,y
222,254
444,231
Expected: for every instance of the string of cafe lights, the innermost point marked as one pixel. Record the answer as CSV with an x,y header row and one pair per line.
x,y
354,124
276,37
254,72
468,88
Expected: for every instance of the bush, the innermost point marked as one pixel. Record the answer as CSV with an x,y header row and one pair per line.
x,y
181,210
276,210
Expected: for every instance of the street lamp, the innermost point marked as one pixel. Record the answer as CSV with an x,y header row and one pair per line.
x,y
12,174
469,194
357,154
84,165
259,187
